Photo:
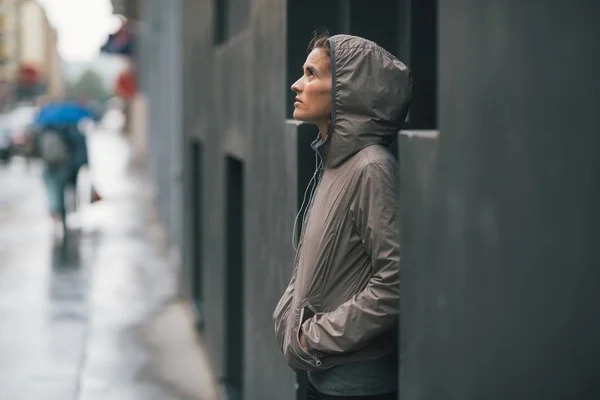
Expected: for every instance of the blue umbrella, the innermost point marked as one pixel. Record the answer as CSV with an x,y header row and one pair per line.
x,y
62,114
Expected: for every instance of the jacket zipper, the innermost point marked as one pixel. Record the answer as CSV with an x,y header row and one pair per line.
x,y
316,359
318,362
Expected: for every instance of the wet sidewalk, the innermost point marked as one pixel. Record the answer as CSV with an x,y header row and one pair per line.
x,y
100,319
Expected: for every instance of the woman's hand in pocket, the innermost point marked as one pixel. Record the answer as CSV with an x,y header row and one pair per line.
x,y
302,341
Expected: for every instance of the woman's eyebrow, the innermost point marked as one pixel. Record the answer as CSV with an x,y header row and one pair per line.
x,y
310,67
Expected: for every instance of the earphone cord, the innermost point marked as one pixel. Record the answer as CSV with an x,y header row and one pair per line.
x,y
312,184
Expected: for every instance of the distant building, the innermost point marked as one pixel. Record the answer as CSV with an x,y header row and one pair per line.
x,y
29,60
38,50
8,51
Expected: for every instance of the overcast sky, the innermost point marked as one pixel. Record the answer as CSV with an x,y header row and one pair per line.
x,y
82,26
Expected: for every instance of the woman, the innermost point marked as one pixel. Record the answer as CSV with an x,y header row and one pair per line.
x,y
338,317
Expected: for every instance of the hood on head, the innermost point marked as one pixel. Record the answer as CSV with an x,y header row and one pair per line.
x,y
371,95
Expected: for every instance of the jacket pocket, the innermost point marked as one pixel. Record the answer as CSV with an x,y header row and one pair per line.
x,y
306,312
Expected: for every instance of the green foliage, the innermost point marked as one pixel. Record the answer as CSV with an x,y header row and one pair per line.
x,y
88,86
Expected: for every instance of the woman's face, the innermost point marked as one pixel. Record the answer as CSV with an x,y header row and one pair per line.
x,y
313,90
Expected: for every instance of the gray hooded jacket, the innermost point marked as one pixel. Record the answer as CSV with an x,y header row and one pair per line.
x,y
345,287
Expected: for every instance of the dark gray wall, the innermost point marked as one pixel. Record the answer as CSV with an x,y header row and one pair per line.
x,y
160,56
235,107
271,200
197,107
500,276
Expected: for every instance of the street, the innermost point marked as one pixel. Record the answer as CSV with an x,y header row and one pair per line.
x,y
98,319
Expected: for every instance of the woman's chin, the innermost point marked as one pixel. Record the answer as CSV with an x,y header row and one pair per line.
x,y
299,116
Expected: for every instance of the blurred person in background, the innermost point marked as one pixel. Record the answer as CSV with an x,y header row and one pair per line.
x,y
63,150
6,149
338,318
18,124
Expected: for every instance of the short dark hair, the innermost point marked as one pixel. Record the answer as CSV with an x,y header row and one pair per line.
x,y
320,40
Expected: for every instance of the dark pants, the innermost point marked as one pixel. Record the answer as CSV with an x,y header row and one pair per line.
x,y
313,394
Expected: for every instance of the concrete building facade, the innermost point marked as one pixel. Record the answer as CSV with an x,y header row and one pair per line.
x,y
489,236
8,51
27,39
37,46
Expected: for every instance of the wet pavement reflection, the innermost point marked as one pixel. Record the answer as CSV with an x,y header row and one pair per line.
x,y
72,317
43,297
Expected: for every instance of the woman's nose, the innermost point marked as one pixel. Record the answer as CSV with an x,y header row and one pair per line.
x,y
296,87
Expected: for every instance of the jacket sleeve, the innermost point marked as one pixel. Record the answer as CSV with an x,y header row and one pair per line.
x,y
282,309
374,310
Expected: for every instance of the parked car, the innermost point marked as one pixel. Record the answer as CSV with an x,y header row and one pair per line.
x,y
19,124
